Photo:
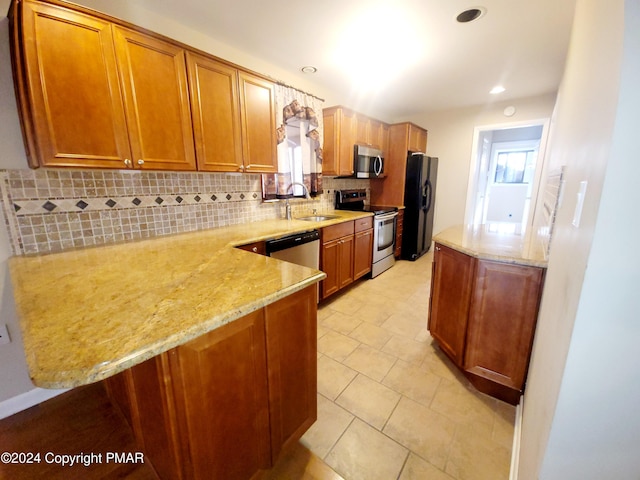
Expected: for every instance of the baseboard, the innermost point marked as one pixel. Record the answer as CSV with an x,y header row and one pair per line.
x,y
25,400
515,449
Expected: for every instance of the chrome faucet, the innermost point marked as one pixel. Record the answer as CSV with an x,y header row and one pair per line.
x,y
287,205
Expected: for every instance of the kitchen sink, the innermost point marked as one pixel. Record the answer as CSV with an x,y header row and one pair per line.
x,y
317,218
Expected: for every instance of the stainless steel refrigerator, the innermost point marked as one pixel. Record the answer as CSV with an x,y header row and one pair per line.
x,y
419,202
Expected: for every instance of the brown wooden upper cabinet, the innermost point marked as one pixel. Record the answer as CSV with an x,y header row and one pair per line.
x,y
213,87
156,99
371,132
403,137
96,92
68,90
343,129
340,130
417,138
258,114
230,138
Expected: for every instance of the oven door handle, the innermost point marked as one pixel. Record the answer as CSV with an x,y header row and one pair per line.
x,y
385,216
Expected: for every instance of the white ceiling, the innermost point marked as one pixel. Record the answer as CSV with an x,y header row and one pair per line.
x,y
438,63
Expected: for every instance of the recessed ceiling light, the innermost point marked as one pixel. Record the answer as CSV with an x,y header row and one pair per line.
x,y
471,14
497,89
308,69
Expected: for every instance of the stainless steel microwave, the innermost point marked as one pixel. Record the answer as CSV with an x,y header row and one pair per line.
x,y
368,162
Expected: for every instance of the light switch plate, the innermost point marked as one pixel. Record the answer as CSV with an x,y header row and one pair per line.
x,y
4,335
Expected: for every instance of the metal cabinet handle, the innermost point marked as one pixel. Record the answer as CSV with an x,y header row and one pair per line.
x,y
140,162
127,162
255,249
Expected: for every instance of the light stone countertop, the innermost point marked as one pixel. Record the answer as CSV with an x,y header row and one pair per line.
x,y
487,243
88,314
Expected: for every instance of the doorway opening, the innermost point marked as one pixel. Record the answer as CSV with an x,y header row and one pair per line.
x,y
505,173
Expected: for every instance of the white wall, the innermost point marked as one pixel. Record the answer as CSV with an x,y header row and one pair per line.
x,y
580,417
14,378
450,139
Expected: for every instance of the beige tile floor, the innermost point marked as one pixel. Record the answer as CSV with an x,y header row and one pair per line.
x,y
390,404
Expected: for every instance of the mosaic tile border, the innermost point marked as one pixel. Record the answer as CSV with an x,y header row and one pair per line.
x,y
66,205
49,210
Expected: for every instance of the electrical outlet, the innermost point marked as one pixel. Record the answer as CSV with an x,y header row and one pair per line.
x,y
4,335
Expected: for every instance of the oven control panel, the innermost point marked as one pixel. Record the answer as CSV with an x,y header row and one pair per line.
x,y
344,197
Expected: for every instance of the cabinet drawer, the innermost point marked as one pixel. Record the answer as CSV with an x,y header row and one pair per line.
x,y
363,224
336,231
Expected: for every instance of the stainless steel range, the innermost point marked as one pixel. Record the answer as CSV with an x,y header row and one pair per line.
x,y
384,226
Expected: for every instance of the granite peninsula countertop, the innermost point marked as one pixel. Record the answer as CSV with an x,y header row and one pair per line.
x,y
487,242
88,314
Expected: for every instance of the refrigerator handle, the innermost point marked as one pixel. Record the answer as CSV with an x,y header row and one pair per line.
x,y
429,195
425,195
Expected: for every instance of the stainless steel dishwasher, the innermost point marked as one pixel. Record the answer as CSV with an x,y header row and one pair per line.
x,y
301,249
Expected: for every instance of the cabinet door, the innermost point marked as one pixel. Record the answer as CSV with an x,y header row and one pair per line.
x,y
345,267
76,113
330,147
399,228
363,125
337,263
348,129
213,88
223,398
291,326
363,252
154,78
331,266
376,134
144,394
504,309
450,296
385,140
417,139
340,134
258,114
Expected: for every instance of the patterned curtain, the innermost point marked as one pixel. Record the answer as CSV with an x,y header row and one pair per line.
x,y
299,136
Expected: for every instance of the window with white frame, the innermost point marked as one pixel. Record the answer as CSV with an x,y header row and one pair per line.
x,y
515,166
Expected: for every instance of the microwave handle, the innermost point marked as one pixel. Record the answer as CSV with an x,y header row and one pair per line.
x,y
378,166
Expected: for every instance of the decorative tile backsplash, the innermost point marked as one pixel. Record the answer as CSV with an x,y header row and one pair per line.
x,y
49,210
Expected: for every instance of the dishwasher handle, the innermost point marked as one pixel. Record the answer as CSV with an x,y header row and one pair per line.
x,y
290,241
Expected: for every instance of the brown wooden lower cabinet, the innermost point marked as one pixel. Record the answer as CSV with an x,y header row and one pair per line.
x,y
223,406
292,360
483,315
362,253
336,257
399,228
346,253
362,247
451,283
